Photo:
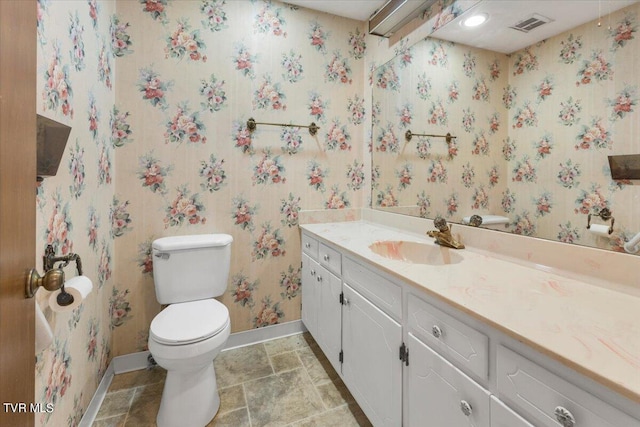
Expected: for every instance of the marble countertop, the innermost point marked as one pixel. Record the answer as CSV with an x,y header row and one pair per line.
x,y
591,329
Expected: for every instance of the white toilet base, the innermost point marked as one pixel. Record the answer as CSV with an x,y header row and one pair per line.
x,y
189,398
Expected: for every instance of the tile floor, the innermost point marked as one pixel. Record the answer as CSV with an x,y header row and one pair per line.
x,y
283,382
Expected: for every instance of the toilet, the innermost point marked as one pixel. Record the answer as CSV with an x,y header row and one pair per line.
x,y
185,337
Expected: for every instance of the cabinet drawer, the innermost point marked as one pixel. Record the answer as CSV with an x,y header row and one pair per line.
x,y
455,340
330,258
542,395
310,246
383,293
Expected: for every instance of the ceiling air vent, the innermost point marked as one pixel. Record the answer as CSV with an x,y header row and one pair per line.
x,y
530,23
395,14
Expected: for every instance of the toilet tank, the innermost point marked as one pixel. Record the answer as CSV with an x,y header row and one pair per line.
x,y
189,268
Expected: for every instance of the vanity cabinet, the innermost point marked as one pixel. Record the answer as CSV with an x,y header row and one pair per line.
x,y
412,360
360,340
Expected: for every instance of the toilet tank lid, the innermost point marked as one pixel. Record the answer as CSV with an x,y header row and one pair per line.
x,y
196,241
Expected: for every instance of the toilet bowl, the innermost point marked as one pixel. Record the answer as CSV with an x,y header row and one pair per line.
x,y
184,339
188,334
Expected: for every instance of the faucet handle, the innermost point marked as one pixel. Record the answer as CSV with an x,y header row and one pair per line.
x,y
441,224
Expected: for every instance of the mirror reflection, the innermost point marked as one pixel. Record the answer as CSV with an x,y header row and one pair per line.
x,y
531,127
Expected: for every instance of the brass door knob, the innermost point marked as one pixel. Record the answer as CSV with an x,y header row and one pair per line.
x,y
51,281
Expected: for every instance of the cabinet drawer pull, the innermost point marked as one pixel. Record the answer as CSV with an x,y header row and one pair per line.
x,y
319,278
465,407
313,272
326,257
436,331
564,417
307,245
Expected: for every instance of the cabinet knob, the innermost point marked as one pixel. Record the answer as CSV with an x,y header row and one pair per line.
x,y
564,417
307,245
319,278
465,407
313,272
436,331
326,257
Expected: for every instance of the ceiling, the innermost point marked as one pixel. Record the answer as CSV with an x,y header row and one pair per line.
x,y
360,10
497,35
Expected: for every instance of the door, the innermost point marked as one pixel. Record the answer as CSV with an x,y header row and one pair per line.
x,y
330,316
372,369
310,287
17,207
439,395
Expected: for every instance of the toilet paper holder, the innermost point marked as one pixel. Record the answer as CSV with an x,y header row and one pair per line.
x,y
605,215
53,278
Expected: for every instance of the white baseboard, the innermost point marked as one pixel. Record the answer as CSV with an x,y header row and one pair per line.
x,y
255,336
96,401
138,361
131,362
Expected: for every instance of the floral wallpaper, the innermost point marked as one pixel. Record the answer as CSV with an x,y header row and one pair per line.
x,y
189,76
452,90
75,86
533,128
158,93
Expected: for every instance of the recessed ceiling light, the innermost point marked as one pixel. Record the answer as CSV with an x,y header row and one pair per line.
x,y
475,20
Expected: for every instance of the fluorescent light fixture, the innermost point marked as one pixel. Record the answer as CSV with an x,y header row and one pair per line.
x,y
394,15
475,20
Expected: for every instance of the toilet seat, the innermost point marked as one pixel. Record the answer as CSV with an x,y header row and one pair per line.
x,y
189,322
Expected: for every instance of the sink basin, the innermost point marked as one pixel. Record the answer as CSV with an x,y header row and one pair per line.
x,y
415,252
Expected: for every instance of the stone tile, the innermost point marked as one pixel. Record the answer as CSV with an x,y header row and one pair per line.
x,y
317,365
115,403
237,418
282,399
145,405
290,343
138,378
231,398
335,393
342,416
285,361
242,364
117,421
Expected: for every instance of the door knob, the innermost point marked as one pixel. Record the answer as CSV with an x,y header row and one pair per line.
x,y
51,281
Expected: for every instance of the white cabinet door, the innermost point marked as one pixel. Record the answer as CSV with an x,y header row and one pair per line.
x,y
329,318
439,394
310,286
372,369
503,416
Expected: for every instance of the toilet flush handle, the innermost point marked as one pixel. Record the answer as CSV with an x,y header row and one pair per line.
x,y
162,255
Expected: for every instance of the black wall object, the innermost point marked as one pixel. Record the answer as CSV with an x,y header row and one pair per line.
x,y
625,166
52,140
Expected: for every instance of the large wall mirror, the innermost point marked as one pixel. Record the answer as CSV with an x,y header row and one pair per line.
x,y
533,115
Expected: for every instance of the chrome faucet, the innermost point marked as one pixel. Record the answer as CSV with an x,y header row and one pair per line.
x,y
443,234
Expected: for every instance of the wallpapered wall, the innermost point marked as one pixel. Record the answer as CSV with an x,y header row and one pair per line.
x,y
189,76
436,87
174,115
535,129
75,86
